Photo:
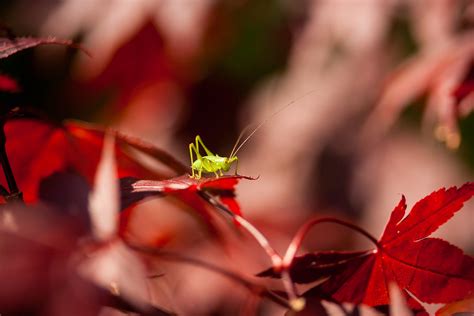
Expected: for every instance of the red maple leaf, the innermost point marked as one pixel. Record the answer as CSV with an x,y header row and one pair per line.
x,y
37,149
185,188
430,269
193,192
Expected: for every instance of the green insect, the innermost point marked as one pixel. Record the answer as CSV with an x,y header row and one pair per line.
x,y
216,164
210,162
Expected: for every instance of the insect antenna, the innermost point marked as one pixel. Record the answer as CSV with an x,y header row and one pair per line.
x,y
242,133
235,151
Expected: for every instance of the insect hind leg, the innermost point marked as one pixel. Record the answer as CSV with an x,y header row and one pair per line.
x,y
199,141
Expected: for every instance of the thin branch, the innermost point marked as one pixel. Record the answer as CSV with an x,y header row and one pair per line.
x,y
295,303
261,239
252,230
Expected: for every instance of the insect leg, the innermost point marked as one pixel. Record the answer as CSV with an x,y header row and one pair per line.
x,y
236,167
199,141
192,159
192,148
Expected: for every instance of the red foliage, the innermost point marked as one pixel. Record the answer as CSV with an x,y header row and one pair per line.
x,y
37,149
185,188
429,268
197,194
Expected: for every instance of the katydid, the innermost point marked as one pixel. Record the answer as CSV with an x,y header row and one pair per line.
x,y
211,163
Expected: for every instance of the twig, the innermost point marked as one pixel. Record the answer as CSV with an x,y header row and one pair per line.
x,y
254,232
296,303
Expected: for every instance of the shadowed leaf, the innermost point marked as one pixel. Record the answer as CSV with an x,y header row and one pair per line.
x,y
316,266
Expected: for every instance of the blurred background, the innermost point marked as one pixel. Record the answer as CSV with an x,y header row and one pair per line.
x,y
381,97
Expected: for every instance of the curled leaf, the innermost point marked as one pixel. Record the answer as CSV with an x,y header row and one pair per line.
x,y
312,267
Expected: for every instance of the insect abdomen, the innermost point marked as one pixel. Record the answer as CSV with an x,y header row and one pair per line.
x,y
210,164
